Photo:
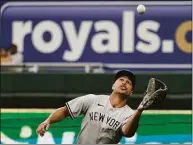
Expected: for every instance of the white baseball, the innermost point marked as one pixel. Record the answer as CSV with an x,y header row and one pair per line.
x,y
141,9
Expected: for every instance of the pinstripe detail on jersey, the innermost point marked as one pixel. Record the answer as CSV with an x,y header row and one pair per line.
x,y
69,110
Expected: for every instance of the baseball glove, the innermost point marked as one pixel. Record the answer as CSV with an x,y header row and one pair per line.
x,y
155,93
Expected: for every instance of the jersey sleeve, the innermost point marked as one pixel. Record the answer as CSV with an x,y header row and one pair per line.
x,y
80,105
131,112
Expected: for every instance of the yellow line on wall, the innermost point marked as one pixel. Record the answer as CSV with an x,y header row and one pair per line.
x,y
51,110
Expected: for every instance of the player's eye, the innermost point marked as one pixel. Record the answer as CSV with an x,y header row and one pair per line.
x,y
128,82
121,80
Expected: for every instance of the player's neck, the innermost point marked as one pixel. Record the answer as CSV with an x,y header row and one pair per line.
x,y
117,101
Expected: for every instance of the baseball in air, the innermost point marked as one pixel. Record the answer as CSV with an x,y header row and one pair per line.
x,y
141,9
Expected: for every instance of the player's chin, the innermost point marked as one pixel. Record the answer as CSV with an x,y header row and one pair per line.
x,y
124,92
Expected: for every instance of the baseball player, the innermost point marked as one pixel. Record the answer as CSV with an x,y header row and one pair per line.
x,y
107,118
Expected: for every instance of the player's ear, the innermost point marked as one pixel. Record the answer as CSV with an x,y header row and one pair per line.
x,y
113,86
131,93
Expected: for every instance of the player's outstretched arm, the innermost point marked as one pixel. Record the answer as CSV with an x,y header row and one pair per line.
x,y
131,126
56,116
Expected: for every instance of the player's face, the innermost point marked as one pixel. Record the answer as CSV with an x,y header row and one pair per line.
x,y
123,86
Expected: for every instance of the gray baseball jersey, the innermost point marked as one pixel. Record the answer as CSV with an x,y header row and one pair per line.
x,y
101,123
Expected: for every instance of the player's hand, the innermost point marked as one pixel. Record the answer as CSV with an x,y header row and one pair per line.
x,y
156,92
42,128
140,108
